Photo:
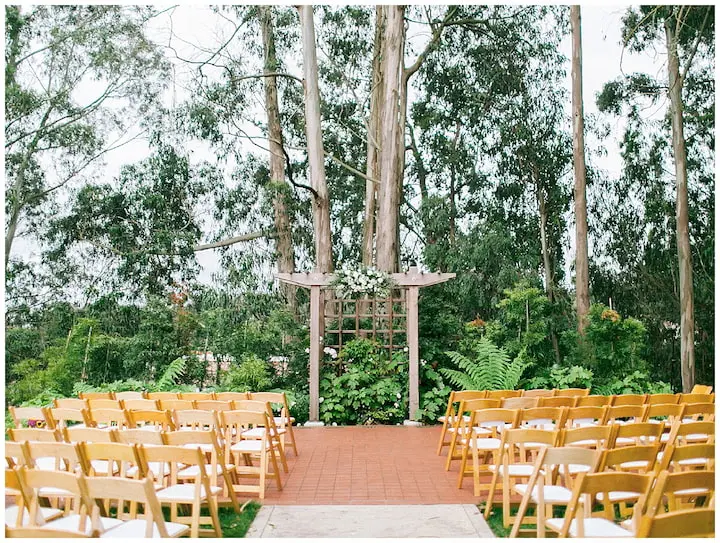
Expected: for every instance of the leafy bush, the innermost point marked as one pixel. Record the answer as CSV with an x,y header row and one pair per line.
x,y
562,377
251,374
434,394
484,366
370,388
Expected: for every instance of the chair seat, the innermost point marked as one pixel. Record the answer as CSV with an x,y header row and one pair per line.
x,y
574,468
100,467
484,443
625,441
204,447
259,433
194,471
247,446
583,443
184,493
515,470
72,523
583,423
551,493
691,492
693,462
11,513
52,492
453,418
634,464
593,527
282,421
135,529
618,495
542,424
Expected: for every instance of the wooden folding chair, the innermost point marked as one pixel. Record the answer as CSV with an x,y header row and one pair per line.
x,y
108,418
682,433
578,521
654,399
151,420
199,493
637,433
18,513
519,402
558,401
194,396
140,404
235,424
665,413
33,434
231,396
213,405
461,426
697,398
162,396
633,459
70,403
577,417
450,417
37,484
177,405
35,417
681,490
135,492
538,393
104,403
14,454
685,523
680,458
129,395
274,433
542,490
546,418
502,394
699,411
625,414
516,462
195,419
592,437
97,395
572,392
35,532
285,420
482,420
51,456
593,401
207,441
629,399
63,416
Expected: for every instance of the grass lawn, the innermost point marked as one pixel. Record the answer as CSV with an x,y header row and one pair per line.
x,y
232,523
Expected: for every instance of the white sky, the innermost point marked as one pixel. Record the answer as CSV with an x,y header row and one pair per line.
x,y
603,61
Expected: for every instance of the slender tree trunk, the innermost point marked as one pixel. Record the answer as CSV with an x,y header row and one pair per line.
x,y
321,200
388,192
582,290
373,141
284,247
687,311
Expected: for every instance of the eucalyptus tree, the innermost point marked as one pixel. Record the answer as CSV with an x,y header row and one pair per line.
x,y
76,80
687,34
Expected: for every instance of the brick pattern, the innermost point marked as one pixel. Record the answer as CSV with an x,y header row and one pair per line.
x,y
368,465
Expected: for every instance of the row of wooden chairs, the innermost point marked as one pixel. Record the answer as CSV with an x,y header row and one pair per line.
x,y
560,416
607,478
137,395
235,434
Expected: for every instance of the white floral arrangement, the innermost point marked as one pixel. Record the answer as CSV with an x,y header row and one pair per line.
x,y
352,283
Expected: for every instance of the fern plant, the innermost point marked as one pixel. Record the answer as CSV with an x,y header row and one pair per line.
x,y
486,367
170,376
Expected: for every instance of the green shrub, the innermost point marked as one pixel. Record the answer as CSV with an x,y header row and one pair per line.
x,y
251,374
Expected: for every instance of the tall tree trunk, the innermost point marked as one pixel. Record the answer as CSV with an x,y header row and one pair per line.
x,y
284,247
373,141
687,311
321,200
390,161
582,290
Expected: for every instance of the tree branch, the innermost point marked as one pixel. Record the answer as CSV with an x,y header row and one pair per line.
x,y
694,49
236,239
437,31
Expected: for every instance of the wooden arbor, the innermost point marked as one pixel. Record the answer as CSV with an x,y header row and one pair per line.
x,y
410,281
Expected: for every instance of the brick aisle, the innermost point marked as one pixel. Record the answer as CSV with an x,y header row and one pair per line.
x,y
369,465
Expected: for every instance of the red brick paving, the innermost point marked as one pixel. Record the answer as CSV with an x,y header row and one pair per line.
x,y
369,465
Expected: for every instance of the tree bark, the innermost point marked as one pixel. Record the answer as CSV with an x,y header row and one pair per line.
x,y
582,290
388,191
687,311
321,200
284,246
373,141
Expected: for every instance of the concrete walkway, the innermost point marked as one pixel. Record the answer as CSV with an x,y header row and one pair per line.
x,y
445,520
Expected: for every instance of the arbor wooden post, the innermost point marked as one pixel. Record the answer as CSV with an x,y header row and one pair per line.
x,y
316,318
414,350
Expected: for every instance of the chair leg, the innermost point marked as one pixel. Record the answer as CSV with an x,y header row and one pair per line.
x,y
463,464
476,473
292,436
213,507
442,442
491,493
283,459
276,471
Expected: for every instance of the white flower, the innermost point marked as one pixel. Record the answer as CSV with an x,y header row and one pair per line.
x,y
321,400
399,395
307,350
405,349
396,404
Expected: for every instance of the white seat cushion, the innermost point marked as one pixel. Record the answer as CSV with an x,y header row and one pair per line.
x,y
135,529
184,493
282,421
625,441
247,446
634,464
156,468
619,495
551,493
259,433
11,513
593,527
451,419
46,463
194,471
72,523
693,462
574,468
691,492
515,470
51,491
582,423
484,443
583,443
204,447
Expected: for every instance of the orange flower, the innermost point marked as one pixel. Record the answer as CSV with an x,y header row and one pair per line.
x,y
477,323
611,315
